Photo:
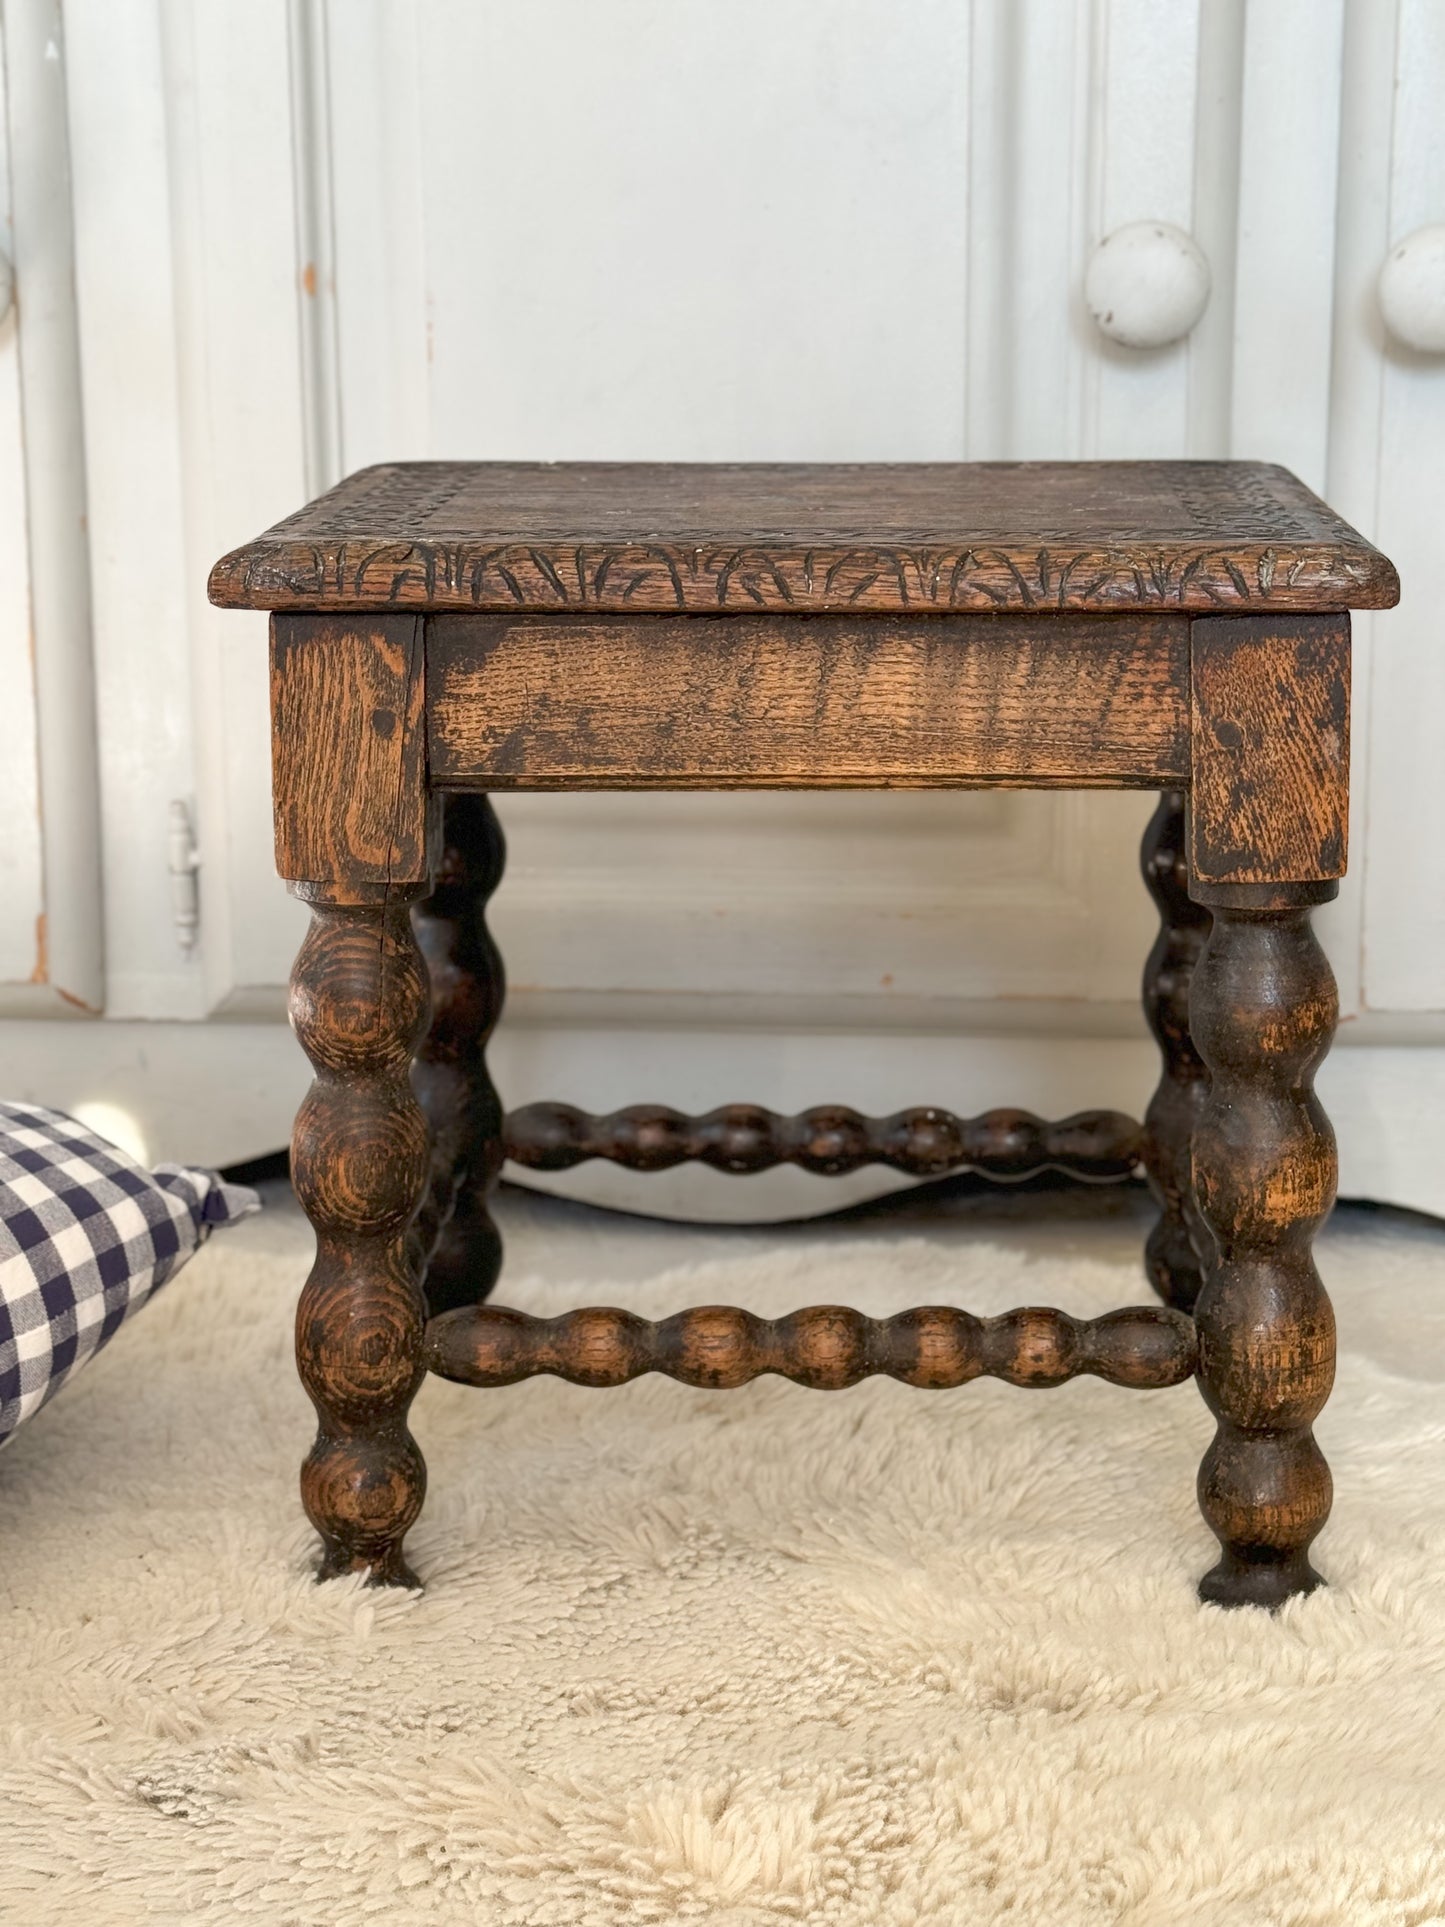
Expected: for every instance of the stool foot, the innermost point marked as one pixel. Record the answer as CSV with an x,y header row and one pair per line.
x,y
1263,1010
359,1163
455,1242
1172,1261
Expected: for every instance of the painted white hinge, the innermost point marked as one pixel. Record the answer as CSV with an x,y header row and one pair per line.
x,y
183,861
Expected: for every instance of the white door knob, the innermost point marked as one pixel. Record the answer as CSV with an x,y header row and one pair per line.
x,y
1412,290
1146,284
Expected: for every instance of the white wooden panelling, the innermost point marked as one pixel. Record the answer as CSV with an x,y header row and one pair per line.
x,y
673,309
1218,93
22,947
244,435
1405,884
1285,252
1141,168
1284,314
47,649
191,349
121,188
311,234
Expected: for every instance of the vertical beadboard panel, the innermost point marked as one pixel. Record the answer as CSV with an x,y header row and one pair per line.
x,y
22,948
1028,144
1218,102
1405,812
1141,168
240,282
121,186
374,50
1362,230
1284,314
1284,264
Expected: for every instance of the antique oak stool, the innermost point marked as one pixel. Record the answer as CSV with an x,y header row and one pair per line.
x,y
443,630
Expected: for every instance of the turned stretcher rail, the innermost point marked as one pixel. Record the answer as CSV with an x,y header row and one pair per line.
x,y
827,1347
830,1139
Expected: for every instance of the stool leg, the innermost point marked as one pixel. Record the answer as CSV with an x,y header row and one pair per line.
x,y
1263,1010
1172,1254
455,1241
359,1164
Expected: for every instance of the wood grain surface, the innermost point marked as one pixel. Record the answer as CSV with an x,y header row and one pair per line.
x,y
359,1163
456,1244
348,749
1263,1010
1270,756
1172,1259
764,702
825,1347
805,538
829,1140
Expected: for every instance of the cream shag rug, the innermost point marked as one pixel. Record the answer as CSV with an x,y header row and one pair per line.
x,y
746,1657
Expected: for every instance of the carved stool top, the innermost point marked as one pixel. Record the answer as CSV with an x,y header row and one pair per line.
x,y
1118,537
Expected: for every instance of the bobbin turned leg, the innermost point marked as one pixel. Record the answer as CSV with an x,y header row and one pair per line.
x,y
455,1242
1172,1253
1269,756
354,838
359,1164
1264,1010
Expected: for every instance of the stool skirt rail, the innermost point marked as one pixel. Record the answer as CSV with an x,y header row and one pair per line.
x,y
444,632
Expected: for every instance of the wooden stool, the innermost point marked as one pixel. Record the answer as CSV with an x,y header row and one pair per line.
x,y
444,630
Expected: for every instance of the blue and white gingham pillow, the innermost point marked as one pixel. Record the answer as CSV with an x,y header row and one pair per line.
x,y
86,1236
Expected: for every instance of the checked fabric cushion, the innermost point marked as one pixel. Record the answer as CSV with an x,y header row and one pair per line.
x,y
86,1236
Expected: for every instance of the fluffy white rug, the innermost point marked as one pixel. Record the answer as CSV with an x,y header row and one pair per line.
x,y
746,1657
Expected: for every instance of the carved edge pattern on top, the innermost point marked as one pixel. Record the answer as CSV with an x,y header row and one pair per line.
x,y
547,578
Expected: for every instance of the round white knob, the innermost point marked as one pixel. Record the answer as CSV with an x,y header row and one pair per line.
x,y
7,284
1412,290
1146,284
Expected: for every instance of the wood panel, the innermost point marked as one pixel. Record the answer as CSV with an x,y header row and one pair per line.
x,y
753,702
825,1347
348,762
809,538
1271,749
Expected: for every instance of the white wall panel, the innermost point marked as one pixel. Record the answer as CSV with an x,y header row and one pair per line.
x,y
1404,961
1140,168
313,234
22,932
47,738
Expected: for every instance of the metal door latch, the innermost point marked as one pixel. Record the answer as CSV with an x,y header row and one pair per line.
x,y
183,861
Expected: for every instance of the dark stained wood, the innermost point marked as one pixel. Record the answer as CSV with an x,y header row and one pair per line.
x,y
826,1347
1171,1254
830,1140
455,628
1263,1011
348,749
457,1246
1124,536
1271,749
608,703
359,1161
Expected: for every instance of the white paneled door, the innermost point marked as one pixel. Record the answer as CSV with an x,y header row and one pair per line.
x,y
50,939
314,235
